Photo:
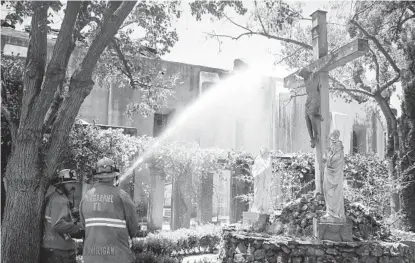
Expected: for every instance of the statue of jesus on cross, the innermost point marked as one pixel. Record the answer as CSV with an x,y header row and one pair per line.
x,y
316,80
312,105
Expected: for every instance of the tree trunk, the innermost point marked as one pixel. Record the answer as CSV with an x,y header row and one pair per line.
x,y
28,170
391,150
408,133
25,193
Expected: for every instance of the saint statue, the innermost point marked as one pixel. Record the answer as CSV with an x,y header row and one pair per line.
x,y
333,180
262,173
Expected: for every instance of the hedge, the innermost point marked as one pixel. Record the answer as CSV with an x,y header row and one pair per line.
x,y
167,246
203,239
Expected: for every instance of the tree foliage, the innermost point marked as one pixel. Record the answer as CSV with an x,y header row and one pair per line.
x,y
370,79
366,179
12,93
146,31
176,158
368,183
215,8
89,143
49,107
55,87
286,23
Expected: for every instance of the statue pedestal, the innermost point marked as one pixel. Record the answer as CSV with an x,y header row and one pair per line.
x,y
333,231
249,218
256,220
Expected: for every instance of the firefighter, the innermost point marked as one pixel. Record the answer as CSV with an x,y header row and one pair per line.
x,y
109,217
57,244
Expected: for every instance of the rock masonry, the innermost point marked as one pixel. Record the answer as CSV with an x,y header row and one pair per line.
x,y
296,219
241,246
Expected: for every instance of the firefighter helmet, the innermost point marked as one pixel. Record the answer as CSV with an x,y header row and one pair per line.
x,y
105,168
66,176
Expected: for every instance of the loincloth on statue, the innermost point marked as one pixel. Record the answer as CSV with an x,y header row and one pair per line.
x,y
312,105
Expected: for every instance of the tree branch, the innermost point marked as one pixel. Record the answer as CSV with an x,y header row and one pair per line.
x,y
288,40
36,59
406,19
363,10
357,78
375,59
4,95
231,37
217,36
389,83
290,55
113,19
83,19
294,96
377,43
56,71
259,17
353,90
53,110
390,121
347,90
250,32
127,71
122,70
81,82
236,24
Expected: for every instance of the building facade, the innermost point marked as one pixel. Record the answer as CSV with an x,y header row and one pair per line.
x,y
278,121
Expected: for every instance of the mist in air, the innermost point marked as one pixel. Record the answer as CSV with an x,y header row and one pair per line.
x,y
211,120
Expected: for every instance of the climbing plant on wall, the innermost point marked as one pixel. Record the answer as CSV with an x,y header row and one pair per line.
x,y
186,164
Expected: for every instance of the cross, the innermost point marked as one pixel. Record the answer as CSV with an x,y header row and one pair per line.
x,y
316,79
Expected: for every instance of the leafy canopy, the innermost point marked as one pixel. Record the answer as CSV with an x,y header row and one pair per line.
x,y
148,32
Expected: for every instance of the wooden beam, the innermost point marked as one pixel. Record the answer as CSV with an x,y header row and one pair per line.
x,y
320,53
337,58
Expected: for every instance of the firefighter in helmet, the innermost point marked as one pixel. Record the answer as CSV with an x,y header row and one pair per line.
x,y
59,224
109,217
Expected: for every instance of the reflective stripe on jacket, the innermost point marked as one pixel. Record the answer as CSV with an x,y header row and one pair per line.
x,y
58,224
110,219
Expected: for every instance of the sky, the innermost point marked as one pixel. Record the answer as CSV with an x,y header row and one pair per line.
x,y
194,47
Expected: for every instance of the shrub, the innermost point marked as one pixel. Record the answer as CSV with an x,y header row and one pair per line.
x,y
368,183
150,257
89,143
168,245
297,218
366,180
203,239
207,260
294,173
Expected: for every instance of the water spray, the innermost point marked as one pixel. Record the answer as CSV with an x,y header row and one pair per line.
x,y
238,83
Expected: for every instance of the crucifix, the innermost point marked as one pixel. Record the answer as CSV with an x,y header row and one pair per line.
x,y
315,78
